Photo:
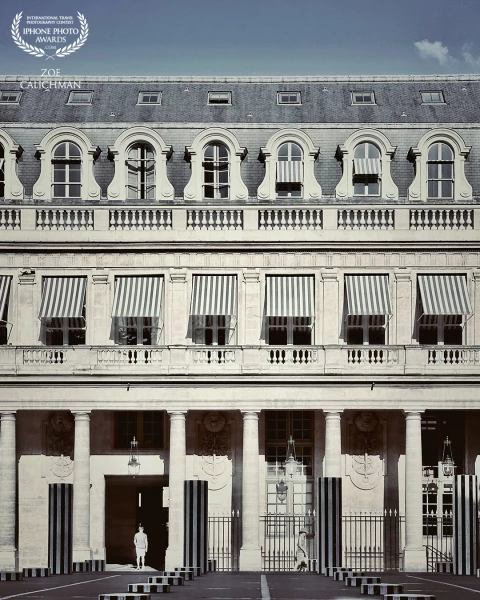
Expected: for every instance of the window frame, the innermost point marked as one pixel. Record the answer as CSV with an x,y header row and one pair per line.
x,y
366,183
364,93
139,430
431,92
439,163
72,94
297,102
18,94
289,186
68,162
142,186
216,169
212,101
140,325
141,95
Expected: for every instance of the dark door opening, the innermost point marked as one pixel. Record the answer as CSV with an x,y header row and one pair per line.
x,y
130,502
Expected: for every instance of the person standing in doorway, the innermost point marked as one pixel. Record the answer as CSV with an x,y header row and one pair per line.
x,y
141,546
302,555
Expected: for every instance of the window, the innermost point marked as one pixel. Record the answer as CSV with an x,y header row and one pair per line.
x,y
150,98
363,98
440,171
146,426
7,97
289,171
140,172
65,331
367,170
432,98
2,171
219,97
67,165
136,331
216,171
289,98
212,330
366,330
80,97
282,331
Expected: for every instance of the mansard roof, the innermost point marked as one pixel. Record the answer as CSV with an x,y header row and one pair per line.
x,y
254,100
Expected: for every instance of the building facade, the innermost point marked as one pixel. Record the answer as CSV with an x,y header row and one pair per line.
x,y
236,272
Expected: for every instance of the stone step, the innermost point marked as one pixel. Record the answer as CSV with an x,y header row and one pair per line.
x,y
124,596
171,580
409,597
11,576
149,588
197,571
342,575
37,572
187,575
357,581
380,589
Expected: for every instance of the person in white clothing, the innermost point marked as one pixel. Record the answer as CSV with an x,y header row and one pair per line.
x,y
141,546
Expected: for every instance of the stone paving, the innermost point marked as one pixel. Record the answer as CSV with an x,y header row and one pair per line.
x,y
236,586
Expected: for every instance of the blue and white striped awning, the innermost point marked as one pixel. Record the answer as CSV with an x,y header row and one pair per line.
x,y
444,295
138,297
368,295
290,171
290,296
214,295
367,166
62,297
4,292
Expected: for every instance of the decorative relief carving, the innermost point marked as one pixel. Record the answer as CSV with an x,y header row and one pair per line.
x,y
60,443
214,441
366,450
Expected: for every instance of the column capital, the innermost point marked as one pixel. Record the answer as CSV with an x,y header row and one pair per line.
x,y
178,275
177,414
413,414
26,276
476,276
8,415
250,414
251,275
81,415
333,413
403,275
100,276
329,274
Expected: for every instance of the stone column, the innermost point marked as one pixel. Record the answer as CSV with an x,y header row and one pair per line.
x,y
333,444
331,309
414,556
403,309
81,488
250,554
176,482
8,486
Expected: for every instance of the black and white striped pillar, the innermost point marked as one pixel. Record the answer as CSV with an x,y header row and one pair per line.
x,y
196,524
465,521
329,519
60,511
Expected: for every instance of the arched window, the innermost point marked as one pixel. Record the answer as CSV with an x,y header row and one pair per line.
x,y
67,171
140,172
440,171
289,179
216,171
366,170
2,171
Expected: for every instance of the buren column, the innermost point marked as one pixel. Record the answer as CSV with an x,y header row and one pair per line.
x,y
414,556
176,482
8,478
333,444
81,488
250,554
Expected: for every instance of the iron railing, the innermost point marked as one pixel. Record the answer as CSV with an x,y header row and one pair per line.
x,y
224,541
280,537
438,535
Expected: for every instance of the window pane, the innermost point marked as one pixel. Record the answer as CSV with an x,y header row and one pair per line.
x,y
433,152
283,151
447,171
74,150
60,151
59,191
359,189
447,153
224,192
74,174
373,188
433,189
296,152
447,189
223,177
74,191
208,177
433,171
209,150
361,151
59,173
209,192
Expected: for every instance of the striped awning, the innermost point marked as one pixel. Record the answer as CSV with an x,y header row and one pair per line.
x,y
368,295
63,297
138,297
4,292
289,171
290,296
367,166
444,295
214,295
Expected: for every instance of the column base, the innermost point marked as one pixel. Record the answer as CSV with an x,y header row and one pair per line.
x,y
81,554
414,559
173,559
250,559
8,559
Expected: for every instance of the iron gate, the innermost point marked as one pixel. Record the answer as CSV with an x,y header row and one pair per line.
x,y
280,537
373,541
438,533
224,541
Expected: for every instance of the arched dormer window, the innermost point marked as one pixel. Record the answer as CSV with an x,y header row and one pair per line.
x,y
216,171
140,172
289,154
440,167
140,156
10,186
67,171
366,157
215,158
289,181
67,166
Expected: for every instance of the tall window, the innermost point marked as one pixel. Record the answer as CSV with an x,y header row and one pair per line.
x,y
146,426
140,172
440,171
67,171
66,331
289,182
216,171
212,330
366,175
137,331
366,330
284,331
2,172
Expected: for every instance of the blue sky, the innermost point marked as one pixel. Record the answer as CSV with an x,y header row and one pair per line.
x,y
263,37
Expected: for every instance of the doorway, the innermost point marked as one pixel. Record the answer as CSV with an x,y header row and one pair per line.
x,y
130,502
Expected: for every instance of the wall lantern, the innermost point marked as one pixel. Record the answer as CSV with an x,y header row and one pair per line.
x,y
291,464
133,461
448,465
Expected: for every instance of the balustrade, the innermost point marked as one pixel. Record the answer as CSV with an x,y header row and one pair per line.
x,y
214,355
129,356
287,218
214,219
74,219
291,356
141,219
45,356
427,218
372,356
10,219
366,218
453,356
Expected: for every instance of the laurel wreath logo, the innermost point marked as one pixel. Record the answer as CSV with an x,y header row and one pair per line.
x,y
39,52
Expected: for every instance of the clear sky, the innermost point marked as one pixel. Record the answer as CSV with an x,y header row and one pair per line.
x,y
263,37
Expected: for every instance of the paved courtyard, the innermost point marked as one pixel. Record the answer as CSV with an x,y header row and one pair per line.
x,y
236,586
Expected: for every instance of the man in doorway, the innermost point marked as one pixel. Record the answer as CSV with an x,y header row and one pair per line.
x,y
141,546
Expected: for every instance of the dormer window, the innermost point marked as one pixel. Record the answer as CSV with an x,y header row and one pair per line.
x,y
7,97
216,171
432,98
363,97
67,171
289,171
150,98
440,171
289,98
141,172
80,97
367,168
219,97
